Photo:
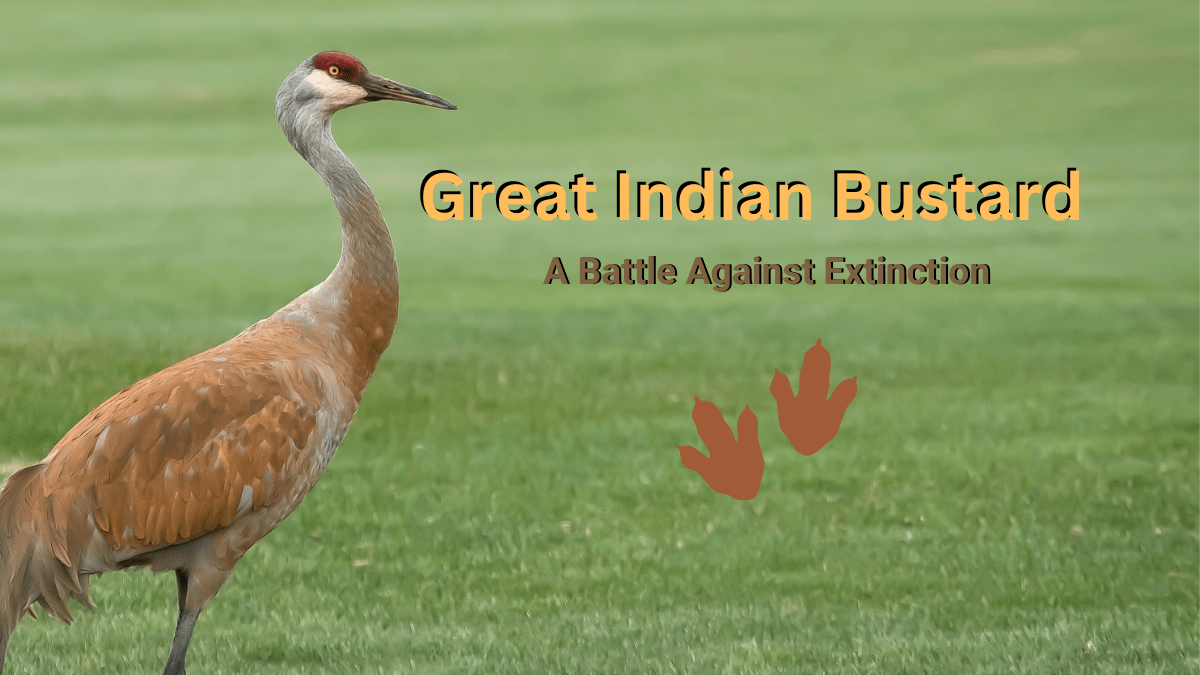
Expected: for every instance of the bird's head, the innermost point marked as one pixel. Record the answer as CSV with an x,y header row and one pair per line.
x,y
327,82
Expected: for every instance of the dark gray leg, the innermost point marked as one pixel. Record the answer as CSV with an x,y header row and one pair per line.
x,y
181,582
183,629
183,635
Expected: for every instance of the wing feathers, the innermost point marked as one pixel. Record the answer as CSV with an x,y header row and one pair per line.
x,y
168,459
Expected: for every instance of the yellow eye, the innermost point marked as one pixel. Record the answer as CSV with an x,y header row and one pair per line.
x,y
334,70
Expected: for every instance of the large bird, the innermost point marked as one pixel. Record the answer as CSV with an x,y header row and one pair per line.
x,y
188,468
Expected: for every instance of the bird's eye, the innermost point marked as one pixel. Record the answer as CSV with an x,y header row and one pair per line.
x,y
334,70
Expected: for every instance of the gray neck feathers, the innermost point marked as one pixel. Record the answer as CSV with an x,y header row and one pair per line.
x,y
367,253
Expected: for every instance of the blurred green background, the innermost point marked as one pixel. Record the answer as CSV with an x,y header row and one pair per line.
x,y
1014,489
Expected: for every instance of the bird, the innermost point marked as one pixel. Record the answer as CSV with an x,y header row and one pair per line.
x,y
186,469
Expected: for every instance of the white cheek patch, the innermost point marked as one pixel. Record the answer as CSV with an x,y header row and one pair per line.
x,y
336,94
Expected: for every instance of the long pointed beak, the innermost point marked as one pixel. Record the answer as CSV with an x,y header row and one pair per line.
x,y
382,89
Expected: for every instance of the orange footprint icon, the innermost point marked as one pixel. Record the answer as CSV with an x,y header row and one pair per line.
x,y
808,419
733,467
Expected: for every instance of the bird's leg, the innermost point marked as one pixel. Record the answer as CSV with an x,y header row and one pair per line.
x,y
181,582
183,635
183,629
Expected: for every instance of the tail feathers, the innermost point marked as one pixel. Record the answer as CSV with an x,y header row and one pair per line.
x,y
37,562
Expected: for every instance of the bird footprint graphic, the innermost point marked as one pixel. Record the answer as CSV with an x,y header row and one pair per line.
x,y
733,467
808,419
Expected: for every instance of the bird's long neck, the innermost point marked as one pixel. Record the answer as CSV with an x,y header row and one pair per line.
x,y
362,290
367,254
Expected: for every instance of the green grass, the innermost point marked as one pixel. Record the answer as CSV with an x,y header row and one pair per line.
x,y
1015,488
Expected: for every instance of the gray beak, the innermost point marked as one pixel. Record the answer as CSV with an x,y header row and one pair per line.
x,y
383,89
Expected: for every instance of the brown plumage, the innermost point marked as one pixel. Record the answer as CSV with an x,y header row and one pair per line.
x,y
188,468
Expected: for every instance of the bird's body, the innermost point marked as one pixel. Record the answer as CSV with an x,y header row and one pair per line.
x,y
188,468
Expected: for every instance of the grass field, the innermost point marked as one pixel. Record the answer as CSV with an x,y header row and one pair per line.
x,y
1015,489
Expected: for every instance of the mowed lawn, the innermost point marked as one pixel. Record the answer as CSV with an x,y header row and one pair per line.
x,y
1015,489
